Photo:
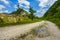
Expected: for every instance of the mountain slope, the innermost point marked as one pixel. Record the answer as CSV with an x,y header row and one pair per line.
x,y
53,14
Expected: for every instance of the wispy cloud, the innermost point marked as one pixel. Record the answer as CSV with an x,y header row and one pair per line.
x,y
51,2
15,6
1,7
5,1
43,6
43,3
25,2
41,12
6,11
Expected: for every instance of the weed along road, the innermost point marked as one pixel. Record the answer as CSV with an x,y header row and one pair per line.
x,y
14,31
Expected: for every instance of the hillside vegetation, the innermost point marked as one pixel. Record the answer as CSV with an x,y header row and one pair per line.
x,y
20,16
53,14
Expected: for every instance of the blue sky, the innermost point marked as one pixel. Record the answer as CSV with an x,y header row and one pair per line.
x,y
41,6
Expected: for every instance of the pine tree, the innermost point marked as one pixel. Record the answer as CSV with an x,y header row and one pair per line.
x,y
31,12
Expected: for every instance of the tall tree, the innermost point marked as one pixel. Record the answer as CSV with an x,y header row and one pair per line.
x,y
18,11
31,12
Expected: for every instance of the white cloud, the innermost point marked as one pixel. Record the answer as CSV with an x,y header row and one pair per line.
x,y
1,7
25,2
26,6
1,11
41,12
6,11
15,6
43,3
51,2
5,1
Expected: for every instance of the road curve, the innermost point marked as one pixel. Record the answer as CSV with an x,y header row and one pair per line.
x,y
13,31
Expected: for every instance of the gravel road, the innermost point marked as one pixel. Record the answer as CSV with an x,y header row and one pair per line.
x,y
13,31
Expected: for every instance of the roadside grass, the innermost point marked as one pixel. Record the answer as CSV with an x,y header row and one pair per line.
x,y
20,22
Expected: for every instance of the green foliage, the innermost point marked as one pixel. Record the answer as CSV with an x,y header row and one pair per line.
x,y
1,21
20,16
18,11
53,14
16,21
31,13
